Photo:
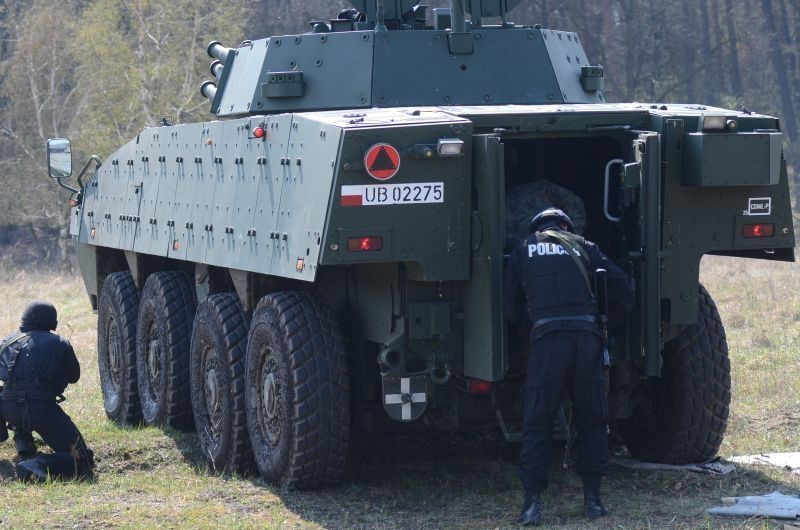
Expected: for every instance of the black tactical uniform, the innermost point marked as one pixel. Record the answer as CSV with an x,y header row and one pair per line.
x,y
36,366
551,291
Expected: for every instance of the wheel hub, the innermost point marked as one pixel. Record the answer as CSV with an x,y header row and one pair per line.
x,y
213,395
114,356
154,360
269,404
212,389
269,396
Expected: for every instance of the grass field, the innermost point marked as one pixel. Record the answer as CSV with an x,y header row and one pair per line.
x,y
149,478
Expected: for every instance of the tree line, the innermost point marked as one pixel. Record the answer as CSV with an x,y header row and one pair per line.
x,y
98,71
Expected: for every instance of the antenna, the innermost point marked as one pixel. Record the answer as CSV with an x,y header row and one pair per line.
x,y
380,12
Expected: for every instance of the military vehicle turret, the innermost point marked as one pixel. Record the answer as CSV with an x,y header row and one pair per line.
x,y
327,257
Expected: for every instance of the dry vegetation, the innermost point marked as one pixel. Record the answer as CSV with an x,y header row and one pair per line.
x,y
147,477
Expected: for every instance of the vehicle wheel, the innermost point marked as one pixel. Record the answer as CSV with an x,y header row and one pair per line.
x,y
298,399
162,349
116,347
691,401
217,384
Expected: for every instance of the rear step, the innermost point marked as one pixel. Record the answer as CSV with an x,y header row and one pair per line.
x,y
512,430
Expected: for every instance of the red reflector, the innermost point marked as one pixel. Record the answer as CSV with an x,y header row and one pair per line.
x,y
365,244
259,132
759,230
479,386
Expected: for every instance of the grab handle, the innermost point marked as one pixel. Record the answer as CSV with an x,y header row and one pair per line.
x,y
605,190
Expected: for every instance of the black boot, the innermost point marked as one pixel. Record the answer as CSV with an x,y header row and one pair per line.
x,y
85,466
531,513
31,470
592,505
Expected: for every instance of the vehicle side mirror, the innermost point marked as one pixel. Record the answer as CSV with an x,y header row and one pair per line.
x,y
59,158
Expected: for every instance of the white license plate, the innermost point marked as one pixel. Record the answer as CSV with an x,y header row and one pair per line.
x,y
385,194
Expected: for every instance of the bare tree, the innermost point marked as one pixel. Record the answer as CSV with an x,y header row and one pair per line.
x,y
779,67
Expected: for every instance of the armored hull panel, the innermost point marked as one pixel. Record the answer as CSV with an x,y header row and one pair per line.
x,y
213,193
304,72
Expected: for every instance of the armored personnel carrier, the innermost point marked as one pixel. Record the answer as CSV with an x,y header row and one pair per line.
x,y
326,258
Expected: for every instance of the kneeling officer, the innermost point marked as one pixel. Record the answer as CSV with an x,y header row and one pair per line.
x,y
548,288
36,366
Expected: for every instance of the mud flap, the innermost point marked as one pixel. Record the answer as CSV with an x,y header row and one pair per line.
x,y
405,398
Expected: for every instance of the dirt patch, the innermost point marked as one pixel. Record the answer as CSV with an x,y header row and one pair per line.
x,y
781,420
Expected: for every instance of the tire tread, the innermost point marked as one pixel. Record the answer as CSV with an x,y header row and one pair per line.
x,y
174,301
119,290
319,388
697,397
226,313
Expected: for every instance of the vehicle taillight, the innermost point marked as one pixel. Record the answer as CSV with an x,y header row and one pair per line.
x,y
758,230
365,244
478,386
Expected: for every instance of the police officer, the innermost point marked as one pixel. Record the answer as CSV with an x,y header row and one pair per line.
x,y
36,366
549,288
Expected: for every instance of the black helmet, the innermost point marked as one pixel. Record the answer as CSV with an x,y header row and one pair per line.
x,y
350,14
550,217
40,316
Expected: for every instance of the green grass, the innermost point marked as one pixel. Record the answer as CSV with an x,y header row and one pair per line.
x,y
151,478
759,303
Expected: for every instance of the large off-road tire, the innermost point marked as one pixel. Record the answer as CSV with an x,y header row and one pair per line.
x,y
163,331
298,399
691,401
116,348
217,383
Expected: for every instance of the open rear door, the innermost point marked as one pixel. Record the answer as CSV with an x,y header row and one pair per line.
x,y
484,329
647,153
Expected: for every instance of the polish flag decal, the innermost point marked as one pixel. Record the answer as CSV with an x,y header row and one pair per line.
x,y
352,196
390,194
